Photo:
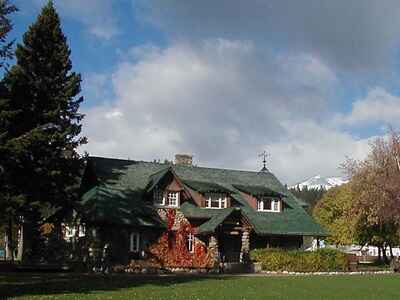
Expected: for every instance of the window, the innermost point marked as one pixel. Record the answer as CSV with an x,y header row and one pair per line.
x,y
134,244
275,205
158,197
268,204
81,230
216,201
190,242
69,231
73,230
172,199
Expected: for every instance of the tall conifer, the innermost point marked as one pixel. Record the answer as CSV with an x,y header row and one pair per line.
x,y
6,209
40,123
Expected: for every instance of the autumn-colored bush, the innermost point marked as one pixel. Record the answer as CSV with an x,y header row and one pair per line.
x,y
323,260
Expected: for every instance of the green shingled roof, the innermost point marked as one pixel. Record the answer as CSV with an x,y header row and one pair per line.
x,y
192,211
137,177
109,205
257,190
206,187
155,178
211,225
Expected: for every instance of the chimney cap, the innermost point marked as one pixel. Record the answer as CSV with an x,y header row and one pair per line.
x,y
184,159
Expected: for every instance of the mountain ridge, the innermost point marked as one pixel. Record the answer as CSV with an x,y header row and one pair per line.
x,y
320,182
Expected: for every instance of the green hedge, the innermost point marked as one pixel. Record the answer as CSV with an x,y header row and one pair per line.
x,y
323,260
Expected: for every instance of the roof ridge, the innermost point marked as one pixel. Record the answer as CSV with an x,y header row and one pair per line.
x,y
128,160
174,165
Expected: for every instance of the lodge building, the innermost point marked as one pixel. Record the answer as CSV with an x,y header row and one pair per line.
x,y
181,215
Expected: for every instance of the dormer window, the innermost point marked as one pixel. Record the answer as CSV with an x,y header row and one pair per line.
x,y
158,197
216,201
269,204
169,199
173,199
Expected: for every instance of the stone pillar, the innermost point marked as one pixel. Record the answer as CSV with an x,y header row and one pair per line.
x,y
245,250
213,248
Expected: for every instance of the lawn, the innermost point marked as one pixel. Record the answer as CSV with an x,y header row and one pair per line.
x,y
72,286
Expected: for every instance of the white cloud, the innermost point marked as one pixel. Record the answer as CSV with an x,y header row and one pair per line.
x,y
309,149
116,114
224,101
95,85
379,106
112,134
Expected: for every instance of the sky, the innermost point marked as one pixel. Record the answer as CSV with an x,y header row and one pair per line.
x,y
311,82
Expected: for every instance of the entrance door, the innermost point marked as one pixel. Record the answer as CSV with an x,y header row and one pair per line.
x,y
230,246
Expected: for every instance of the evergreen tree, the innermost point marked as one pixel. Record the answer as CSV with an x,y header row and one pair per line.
x,y
6,8
310,196
40,123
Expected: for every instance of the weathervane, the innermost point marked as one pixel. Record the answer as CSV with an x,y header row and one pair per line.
x,y
264,155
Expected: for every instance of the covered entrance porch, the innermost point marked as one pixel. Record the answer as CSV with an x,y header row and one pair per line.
x,y
233,238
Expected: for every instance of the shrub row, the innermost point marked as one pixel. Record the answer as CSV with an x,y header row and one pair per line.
x,y
322,260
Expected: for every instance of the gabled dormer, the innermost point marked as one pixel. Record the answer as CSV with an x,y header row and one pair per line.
x,y
261,198
269,204
165,189
208,194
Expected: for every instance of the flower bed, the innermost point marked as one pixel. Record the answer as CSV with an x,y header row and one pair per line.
x,y
323,260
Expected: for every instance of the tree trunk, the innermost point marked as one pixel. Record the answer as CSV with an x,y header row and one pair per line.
x,y
28,236
391,252
385,259
9,241
20,241
396,157
379,254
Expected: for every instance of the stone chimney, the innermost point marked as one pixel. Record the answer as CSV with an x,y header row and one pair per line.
x,y
184,159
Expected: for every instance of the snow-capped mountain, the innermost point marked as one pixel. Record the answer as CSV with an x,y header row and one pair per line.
x,y
318,182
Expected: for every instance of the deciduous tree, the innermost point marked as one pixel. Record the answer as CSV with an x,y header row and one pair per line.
x,y
376,191
333,211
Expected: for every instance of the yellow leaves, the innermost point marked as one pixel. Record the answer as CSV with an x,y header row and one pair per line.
x,y
334,212
46,229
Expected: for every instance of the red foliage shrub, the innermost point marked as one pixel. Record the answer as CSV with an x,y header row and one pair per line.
x,y
171,248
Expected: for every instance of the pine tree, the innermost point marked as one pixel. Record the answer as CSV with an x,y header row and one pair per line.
x,y
310,196
6,8
40,122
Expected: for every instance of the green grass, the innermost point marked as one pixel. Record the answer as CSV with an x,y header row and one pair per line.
x,y
73,286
